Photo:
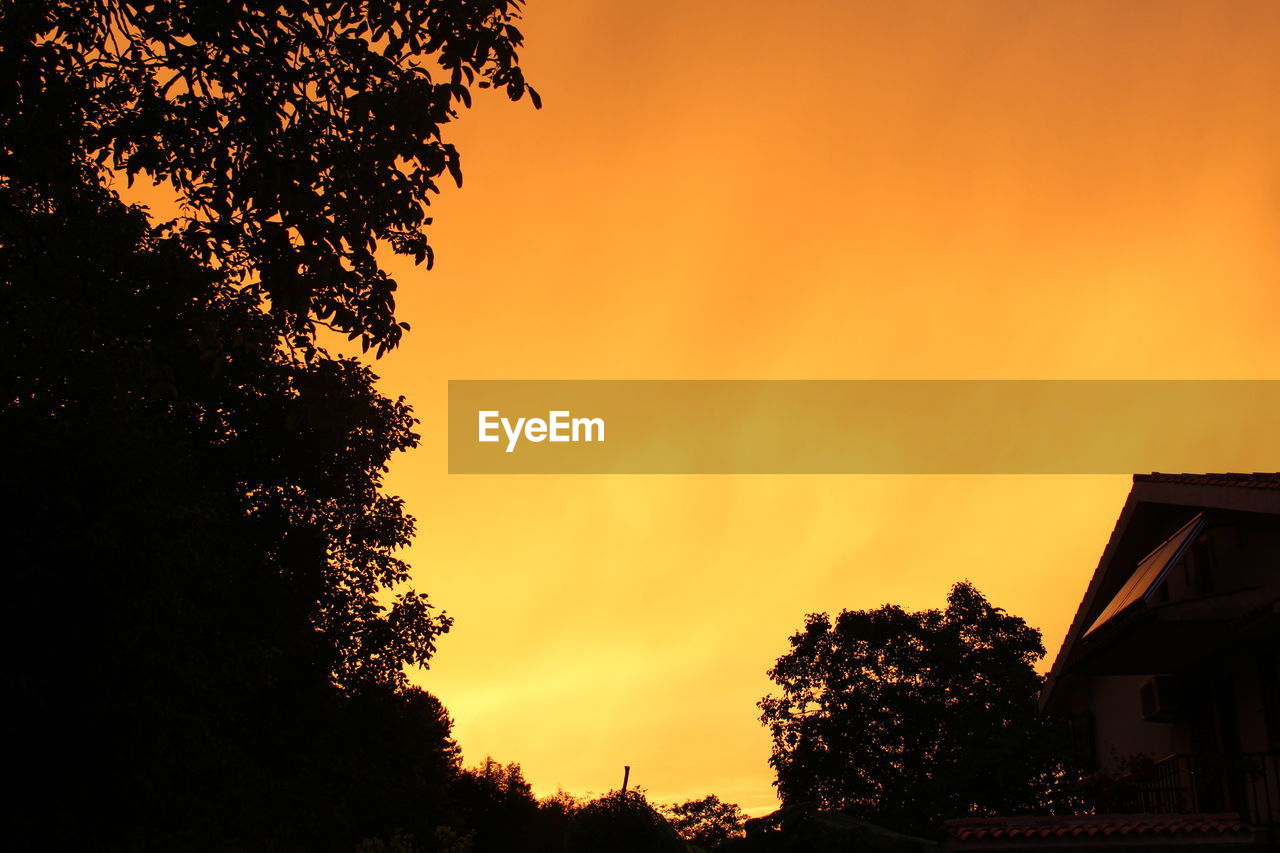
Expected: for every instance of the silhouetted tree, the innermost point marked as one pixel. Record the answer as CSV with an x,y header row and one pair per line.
x,y
621,822
300,134
906,719
495,806
707,822
202,516
554,814
204,614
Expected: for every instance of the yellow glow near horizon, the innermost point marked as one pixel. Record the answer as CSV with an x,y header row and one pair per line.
x,y
810,190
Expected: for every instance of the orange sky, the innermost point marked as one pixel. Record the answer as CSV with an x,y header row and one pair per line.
x,y
829,190
810,190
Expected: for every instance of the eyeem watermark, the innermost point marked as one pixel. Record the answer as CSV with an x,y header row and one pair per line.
x,y
863,426
559,426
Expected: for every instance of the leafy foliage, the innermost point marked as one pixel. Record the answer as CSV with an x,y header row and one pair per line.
x,y
206,513
205,610
621,822
706,822
300,134
909,718
497,806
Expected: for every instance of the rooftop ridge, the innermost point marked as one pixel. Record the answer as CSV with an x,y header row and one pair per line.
x,y
1256,480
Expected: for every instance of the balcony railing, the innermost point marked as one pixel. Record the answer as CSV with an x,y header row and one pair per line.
x,y
1248,784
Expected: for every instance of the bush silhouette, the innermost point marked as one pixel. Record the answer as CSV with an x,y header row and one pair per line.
x,y
621,823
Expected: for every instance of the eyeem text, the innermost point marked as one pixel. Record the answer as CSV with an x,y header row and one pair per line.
x,y
558,426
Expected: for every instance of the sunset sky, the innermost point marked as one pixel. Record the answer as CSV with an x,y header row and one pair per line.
x,y
810,190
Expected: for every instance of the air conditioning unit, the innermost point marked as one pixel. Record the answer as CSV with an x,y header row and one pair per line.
x,y
1159,699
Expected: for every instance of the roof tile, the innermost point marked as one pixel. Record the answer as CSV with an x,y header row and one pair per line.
x,y
983,828
1259,480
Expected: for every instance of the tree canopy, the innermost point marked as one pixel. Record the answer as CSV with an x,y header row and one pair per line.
x,y
621,822
907,718
300,135
500,813
206,613
201,517
707,821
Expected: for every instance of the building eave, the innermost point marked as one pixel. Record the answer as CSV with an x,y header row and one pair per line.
x,y
1154,500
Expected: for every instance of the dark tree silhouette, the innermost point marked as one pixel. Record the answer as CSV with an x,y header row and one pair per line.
x,y
706,822
300,134
621,822
204,612
499,812
906,719
195,545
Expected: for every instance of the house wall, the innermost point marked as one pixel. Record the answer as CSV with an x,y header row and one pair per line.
x,y
1241,554
1120,731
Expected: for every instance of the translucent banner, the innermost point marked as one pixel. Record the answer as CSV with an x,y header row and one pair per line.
x,y
863,427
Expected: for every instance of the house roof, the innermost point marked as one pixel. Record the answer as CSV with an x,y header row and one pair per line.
x,y
1091,830
1239,481
1157,505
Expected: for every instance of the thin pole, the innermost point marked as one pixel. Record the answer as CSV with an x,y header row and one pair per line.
x,y
626,774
